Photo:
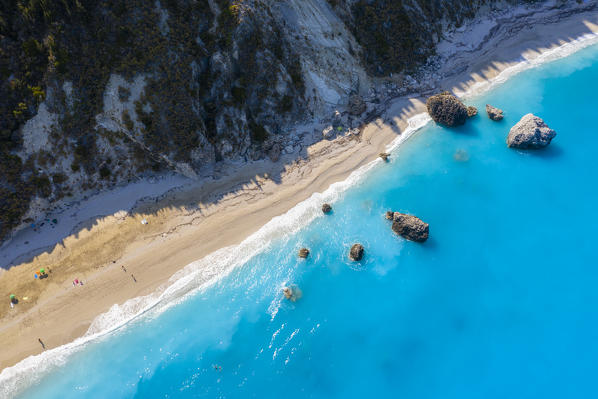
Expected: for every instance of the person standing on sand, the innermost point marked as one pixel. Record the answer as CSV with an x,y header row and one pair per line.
x,y
134,279
124,269
43,345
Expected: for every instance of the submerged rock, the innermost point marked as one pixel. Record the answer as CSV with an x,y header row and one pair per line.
x,y
446,109
461,156
356,105
326,208
356,252
496,114
471,111
530,132
410,227
384,155
303,253
292,293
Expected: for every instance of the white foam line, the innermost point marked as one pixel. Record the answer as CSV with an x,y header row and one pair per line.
x,y
204,272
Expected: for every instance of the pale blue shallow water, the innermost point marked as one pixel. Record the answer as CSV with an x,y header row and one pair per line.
x,y
501,302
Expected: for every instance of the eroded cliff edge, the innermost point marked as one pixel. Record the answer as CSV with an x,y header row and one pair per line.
x,y
96,93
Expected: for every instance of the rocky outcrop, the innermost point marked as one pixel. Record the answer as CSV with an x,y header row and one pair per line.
x,y
529,133
410,227
274,152
471,111
356,252
384,156
496,114
356,105
303,253
389,215
326,208
447,110
292,293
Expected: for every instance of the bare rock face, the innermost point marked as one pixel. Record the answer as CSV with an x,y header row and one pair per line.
x,y
529,133
356,252
274,152
410,227
303,253
471,111
496,114
446,109
356,105
326,208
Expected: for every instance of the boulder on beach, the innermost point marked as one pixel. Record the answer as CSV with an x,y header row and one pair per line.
x,y
410,227
529,133
326,208
356,252
446,109
496,114
384,156
471,111
356,105
274,152
303,253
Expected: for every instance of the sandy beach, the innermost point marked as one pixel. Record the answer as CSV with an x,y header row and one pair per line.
x,y
192,221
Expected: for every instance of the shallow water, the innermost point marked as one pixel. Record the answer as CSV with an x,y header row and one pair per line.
x,y
500,302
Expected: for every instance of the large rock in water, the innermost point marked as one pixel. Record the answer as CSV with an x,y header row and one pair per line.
x,y
496,114
410,227
530,132
356,252
446,109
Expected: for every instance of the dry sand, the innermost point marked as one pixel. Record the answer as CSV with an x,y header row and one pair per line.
x,y
188,224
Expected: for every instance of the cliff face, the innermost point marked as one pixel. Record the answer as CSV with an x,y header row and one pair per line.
x,y
94,93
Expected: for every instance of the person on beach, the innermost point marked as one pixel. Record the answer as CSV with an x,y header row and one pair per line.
x,y
43,345
133,277
124,269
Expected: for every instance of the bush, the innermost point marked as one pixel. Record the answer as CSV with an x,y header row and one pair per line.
x,y
104,172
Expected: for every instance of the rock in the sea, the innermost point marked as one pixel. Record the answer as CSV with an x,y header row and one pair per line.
x,y
530,132
288,292
410,227
496,114
292,293
471,111
384,155
390,215
461,156
303,253
356,105
356,252
326,208
446,109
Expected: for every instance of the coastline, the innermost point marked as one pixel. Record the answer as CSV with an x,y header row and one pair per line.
x,y
64,313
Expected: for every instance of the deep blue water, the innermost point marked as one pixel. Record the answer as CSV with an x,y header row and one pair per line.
x,y
501,302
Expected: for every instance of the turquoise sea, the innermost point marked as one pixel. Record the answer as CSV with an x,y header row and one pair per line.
x,y
501,302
